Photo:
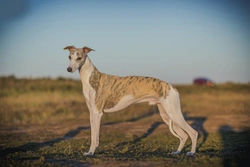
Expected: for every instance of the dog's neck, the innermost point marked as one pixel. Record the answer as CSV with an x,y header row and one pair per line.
x,y
86,70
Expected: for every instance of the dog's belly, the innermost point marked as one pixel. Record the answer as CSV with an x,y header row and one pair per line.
x,y
123,103
129,99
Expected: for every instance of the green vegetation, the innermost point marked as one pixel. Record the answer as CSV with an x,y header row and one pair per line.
x,y
45,122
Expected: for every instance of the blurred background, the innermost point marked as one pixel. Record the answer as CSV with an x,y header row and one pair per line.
x,y
174,40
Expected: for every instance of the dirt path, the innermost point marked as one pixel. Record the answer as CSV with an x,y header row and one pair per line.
x,y
151,124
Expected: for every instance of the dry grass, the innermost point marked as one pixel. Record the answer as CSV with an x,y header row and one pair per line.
x,y
45,122
40,107
230,102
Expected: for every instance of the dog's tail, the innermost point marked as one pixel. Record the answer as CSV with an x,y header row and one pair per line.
x,y
171,129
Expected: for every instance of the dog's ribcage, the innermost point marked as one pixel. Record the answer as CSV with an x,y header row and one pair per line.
x,y
111,89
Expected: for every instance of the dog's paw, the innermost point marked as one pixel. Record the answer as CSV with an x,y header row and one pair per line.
x,y
175,152
190,154
88,154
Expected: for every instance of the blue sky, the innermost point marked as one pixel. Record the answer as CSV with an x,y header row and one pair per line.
x,y
174,40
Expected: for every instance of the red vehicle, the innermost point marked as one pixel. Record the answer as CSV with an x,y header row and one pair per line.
x,y
203,81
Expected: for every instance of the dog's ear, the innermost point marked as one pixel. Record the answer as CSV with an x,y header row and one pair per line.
x,y
69,47
87,49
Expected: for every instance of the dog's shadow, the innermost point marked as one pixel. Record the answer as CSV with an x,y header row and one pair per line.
x,y
33,146
197,123
150,130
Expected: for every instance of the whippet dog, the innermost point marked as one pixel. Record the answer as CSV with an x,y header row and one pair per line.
x,y
108,93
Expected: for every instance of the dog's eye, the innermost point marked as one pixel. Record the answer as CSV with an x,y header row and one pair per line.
x,y
79,58
69,57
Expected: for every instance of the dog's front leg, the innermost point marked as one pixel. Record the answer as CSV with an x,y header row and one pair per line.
x,y
95,122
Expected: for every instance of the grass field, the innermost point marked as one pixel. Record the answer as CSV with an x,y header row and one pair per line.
x,y
45,122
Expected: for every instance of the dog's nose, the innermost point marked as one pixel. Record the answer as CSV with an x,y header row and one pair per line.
x,y
69,69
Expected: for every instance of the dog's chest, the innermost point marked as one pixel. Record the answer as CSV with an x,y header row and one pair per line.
x,y
88,91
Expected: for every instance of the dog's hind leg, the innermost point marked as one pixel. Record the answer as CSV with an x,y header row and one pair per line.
x,y
171,105
174,129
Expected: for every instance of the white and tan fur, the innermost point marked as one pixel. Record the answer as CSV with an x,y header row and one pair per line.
x,y
108,93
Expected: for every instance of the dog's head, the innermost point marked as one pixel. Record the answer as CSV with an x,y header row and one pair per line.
x,y
77,57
